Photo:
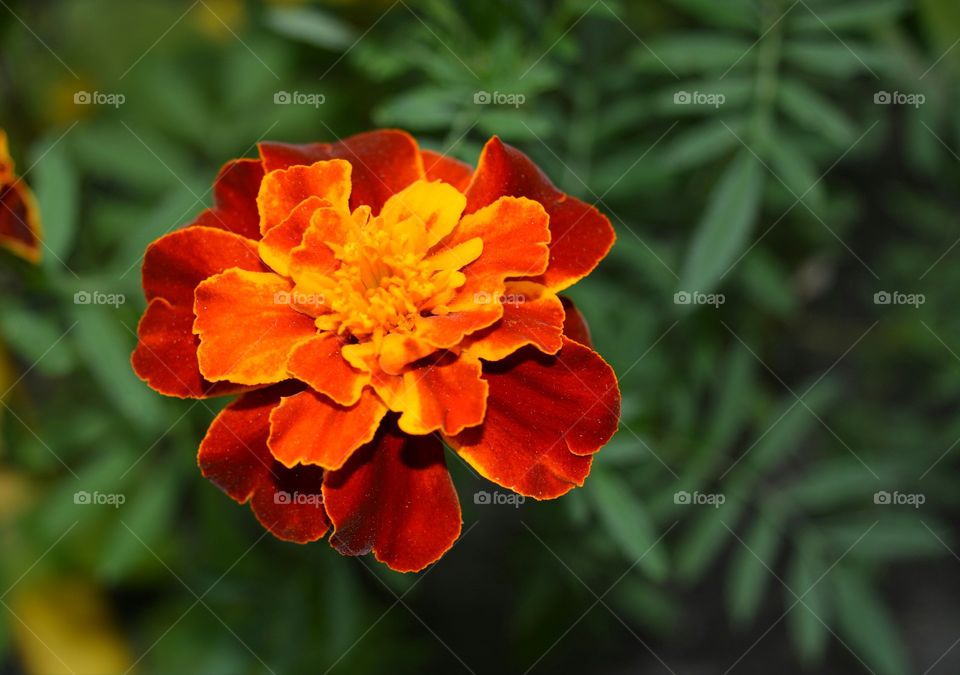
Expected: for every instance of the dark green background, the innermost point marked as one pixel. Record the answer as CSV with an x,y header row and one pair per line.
x,y
797,400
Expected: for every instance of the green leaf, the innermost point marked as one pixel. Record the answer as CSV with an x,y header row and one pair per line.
x,y
726,14
36,338
750,570
700,144
705,538
312,26
57,187
833,58
692,53
814,112
724,231
895,536
427,108
864,14
797,171
628,523
866,624
806,620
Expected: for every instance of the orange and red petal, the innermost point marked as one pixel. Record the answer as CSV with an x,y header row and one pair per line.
x,y
277,244
246,329
235,199
20,229
447,169
234,456
313,259
545,416
166,354
444,392
434,206
532,315
581,235
574,324
309,428
384,162
319,362
394,497
176,263
282,190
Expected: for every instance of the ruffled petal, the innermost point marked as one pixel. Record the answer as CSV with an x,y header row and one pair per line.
x,y
444,393
581,235
20,229
313,259
235,199
166,354
532,315
384,162
394,497
319,362
176,263
545,416
246,329
282,190
309,428
277,244
447,169
435,206
234,456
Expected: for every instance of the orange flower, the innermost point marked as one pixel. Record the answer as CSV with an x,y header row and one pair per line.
x,y
370,299
19,217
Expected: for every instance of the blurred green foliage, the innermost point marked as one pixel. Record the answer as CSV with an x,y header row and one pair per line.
x,y
741,148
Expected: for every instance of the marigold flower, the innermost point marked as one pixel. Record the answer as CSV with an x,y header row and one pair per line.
x,y
370,299
19,216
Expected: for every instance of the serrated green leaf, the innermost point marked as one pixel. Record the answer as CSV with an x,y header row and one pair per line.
x,y
724,230
750,569
806,621
815,113
694,53
833,58
866,624
701,143
863,14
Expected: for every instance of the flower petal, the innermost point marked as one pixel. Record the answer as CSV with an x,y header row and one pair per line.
x,y
176,263
277,244
309,428
436,206
394,497
235,457
384,162
447,169
574,325
246,333
166,354
235,199
532,315
445,393
581,235
20,230
318,362
545,416
313,259
282,190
